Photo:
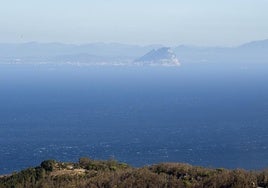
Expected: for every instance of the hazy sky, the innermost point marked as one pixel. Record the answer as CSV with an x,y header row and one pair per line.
x,y
172,22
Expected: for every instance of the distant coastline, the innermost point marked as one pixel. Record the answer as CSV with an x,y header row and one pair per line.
x,y
117,54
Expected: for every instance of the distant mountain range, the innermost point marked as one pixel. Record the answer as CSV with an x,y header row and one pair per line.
x,y
252,52
162,56
123,54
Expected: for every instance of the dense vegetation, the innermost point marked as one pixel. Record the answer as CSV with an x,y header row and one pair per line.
x,y
92,173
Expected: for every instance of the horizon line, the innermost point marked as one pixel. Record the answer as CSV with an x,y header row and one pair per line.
x,y
131,44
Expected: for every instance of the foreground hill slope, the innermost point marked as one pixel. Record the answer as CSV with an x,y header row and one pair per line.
x,y
91,173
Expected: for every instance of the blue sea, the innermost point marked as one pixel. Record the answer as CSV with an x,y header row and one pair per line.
x,y
204,114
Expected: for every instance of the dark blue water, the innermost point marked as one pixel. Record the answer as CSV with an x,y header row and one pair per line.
x,y
215,116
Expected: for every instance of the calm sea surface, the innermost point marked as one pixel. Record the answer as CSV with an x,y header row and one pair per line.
x,y
209,115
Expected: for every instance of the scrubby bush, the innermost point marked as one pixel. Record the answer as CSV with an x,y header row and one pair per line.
x,y
48,165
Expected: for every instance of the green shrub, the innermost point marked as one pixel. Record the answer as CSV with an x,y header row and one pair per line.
x,y
48,165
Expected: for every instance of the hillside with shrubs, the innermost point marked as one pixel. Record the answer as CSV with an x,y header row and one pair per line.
x,y
89,173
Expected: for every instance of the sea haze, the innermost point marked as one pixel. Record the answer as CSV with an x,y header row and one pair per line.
x,y
209,115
